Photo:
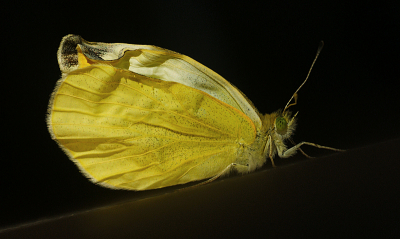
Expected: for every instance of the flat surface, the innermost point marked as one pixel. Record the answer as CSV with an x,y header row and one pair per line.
x,y
348,194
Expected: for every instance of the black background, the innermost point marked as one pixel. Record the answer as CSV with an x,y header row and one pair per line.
x,y
350,101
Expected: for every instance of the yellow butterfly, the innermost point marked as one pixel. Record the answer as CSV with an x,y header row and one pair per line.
x,y
140,117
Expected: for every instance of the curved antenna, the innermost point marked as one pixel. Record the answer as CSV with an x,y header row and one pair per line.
x,y
321,45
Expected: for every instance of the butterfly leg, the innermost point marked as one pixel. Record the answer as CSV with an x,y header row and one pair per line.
x,y
291,151
240,168
269,142
308,156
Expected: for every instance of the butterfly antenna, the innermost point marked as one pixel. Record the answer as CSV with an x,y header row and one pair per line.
x,y
321,45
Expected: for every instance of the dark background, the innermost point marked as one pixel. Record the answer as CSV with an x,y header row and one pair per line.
x,y
351,101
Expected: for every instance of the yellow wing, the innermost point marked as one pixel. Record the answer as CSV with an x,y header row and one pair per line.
x,y
129,131
157,63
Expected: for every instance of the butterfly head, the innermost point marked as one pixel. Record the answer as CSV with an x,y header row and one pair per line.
x,y
284,123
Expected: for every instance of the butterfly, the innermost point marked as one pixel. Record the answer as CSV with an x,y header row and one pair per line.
x,y
140,117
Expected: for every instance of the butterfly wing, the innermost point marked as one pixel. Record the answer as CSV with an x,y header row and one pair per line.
x,y
129,131
157,63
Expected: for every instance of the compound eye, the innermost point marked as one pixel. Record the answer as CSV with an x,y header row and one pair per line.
x,y
281,125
